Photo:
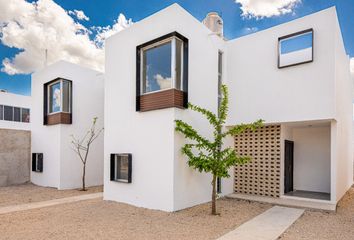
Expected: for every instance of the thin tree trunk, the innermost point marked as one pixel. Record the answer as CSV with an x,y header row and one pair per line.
x,y
213,197
83,177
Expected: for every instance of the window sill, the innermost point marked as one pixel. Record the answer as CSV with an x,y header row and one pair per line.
x,y
58,118
162,99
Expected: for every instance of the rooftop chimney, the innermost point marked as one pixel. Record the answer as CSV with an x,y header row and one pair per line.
x,y
215,23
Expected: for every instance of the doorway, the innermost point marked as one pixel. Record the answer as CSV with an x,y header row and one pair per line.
x,y
289,167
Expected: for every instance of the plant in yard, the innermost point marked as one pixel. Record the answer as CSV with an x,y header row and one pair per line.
x,y
210,156
82,147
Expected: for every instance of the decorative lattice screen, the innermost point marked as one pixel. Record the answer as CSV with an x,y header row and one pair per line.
x,y
261,176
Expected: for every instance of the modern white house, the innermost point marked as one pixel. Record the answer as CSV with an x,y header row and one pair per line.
x,y
295,76
15,111
65,99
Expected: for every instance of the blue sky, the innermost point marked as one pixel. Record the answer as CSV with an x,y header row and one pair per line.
x,y
103,13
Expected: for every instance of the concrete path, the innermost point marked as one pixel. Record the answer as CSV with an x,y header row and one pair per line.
x,y
266,226
34,205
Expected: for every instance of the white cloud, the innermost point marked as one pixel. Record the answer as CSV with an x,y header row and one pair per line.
x,y
35,27
163,82
79,14
266,8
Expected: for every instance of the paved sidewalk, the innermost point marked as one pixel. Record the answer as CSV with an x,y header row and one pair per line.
x,y
34,205
266,226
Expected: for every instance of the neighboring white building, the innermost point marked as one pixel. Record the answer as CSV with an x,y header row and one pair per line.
x,y
307,109
66,97
15,111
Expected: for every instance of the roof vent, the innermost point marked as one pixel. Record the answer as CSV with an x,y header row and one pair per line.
x,y
215,23
3,90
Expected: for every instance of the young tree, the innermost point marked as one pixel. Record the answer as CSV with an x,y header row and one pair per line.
x,y
207,155
82,147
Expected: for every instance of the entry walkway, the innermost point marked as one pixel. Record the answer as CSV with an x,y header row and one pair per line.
x,y
34,205
266,226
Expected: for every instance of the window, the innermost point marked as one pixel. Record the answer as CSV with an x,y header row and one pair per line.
x,y
1,112
162,73
8,113
59,96
37,162
25,115
161,65
295,49
17,114
121,168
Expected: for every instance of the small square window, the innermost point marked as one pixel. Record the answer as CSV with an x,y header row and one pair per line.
x,y
121,168
8,113
37,162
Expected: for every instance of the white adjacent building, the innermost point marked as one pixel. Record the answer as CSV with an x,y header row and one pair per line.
x,y
295,76
66,97
15,111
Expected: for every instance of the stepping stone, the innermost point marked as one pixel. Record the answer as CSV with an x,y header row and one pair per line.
x,y
266,226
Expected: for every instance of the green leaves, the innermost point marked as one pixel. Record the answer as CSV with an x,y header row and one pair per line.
x,y
207,155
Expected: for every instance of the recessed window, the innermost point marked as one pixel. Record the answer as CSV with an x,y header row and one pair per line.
x,y
8,113
1,112
25,115
162,70
37,162
59,96
295,49
121,168
17,114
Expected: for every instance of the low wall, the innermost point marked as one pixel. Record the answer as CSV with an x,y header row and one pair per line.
x,y
15,156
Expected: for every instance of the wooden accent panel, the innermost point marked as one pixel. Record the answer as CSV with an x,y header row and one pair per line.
x,y
162,99
59,118
261,176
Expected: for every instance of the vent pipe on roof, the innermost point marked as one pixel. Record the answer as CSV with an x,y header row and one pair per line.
x,y
215,23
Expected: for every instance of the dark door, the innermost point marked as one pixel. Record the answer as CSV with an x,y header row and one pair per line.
x,y
289,166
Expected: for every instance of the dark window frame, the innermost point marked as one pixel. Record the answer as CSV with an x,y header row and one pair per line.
x,y
1,112
12,115
17,111
46,113
37,162
113,167
139,50
293,35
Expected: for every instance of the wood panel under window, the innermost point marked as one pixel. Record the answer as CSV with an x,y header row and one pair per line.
x,y
163,99
59,118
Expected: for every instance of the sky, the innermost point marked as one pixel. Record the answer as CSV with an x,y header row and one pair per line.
x,y
75,30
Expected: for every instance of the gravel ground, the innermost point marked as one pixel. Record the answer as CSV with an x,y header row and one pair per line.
x,y
97,219
323,225
27,193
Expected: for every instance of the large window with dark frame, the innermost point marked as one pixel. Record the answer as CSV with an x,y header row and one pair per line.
x,y
16,114
162,65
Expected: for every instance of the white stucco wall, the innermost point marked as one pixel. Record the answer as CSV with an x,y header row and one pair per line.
x,y
258,89
161,178
15,100
312,158
61,166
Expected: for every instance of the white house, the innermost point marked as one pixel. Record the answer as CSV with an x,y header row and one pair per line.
x,y
15,111
295,76
66,97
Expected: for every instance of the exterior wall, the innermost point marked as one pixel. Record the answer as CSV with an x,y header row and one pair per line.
x,y
312,158
61,166
15,100
344,116
258,89
15,149
161,178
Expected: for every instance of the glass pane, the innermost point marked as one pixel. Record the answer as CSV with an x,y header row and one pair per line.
x,y
54,98
66,96
25,115
122,167
17,114
179,64
296,49
157,68
8,113
1,112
